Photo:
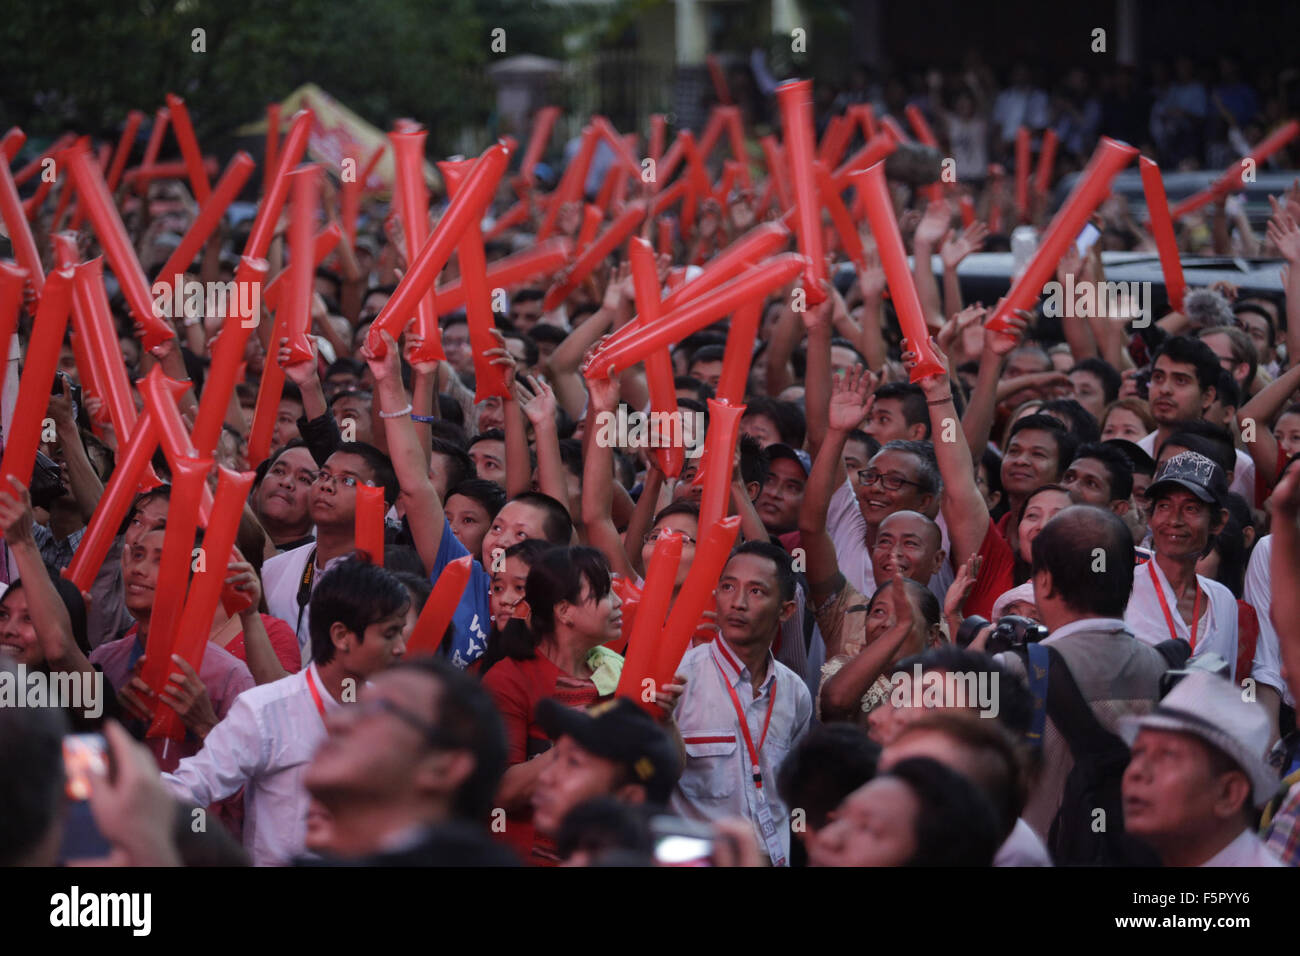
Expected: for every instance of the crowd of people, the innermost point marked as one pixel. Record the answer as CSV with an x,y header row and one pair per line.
x,y
964,616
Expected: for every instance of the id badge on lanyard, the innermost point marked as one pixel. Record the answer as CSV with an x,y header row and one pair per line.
x,y
766,822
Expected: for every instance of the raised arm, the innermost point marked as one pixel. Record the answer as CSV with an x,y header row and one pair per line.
x,y
977,422
536,400
850,398
954,249
49,616
1284,233
841,695
84,484
962,504
871,283
598,477
817,374
1262,409
419,498
1285,573
930,234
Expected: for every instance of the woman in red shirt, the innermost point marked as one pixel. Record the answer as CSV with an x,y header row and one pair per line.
x,y
557,651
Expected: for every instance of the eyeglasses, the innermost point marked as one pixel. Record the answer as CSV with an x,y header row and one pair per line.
x,y
888,482
654,536
347,481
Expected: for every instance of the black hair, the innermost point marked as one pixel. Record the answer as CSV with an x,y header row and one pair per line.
x,y
1117,466
790,423
355,594
754,463
417,586
459,466
708,353
558,525
841,342
292,392
529,551
682,506
556,577
1015,703
531,354
492,434
449,413
608,831
486,493
862,438
1083,425
956,824
1256,309
1230,543
1190,351
31,776
402,559
992,464
926,599
379,463
997,768
829,763
545,332
912,400
467,719
1104,372
571,456
785,579
703,391
1205,438
1065,548
267,463
1064,441
1226,390
928,479
347,366
527,294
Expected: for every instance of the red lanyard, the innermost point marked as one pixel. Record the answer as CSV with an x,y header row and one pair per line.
x,y
1164,606
315,694
744,724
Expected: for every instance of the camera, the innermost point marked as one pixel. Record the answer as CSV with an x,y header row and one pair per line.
x,y
47,482
1010,631
1206,662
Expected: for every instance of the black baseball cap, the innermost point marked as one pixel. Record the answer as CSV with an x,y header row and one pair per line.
x,y
620,731
1196,473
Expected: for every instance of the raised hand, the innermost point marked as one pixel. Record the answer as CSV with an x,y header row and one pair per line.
x,y
388,367
850,399
16,517
933,226
185,693
961,586
536,398
1283,232
302,372
958,246
500,356
871,280
1003,343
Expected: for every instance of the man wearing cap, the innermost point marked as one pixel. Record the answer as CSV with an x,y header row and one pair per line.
x,y
612,749
1170,600
1196,775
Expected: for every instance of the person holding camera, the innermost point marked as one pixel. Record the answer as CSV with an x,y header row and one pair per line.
x,y
1089,671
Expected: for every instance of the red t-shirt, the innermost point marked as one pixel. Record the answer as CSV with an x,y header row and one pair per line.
x,y
517,687
997,573
283,641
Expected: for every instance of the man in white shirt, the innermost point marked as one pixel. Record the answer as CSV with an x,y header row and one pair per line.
x,y
267,740
1170,600
1183,376
1196,775
1270,689
742,711
289,579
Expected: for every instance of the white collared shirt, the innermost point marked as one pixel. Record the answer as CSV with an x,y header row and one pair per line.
x,y
1246,850
281,578
1258,593
718,780
1216,632
264,745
